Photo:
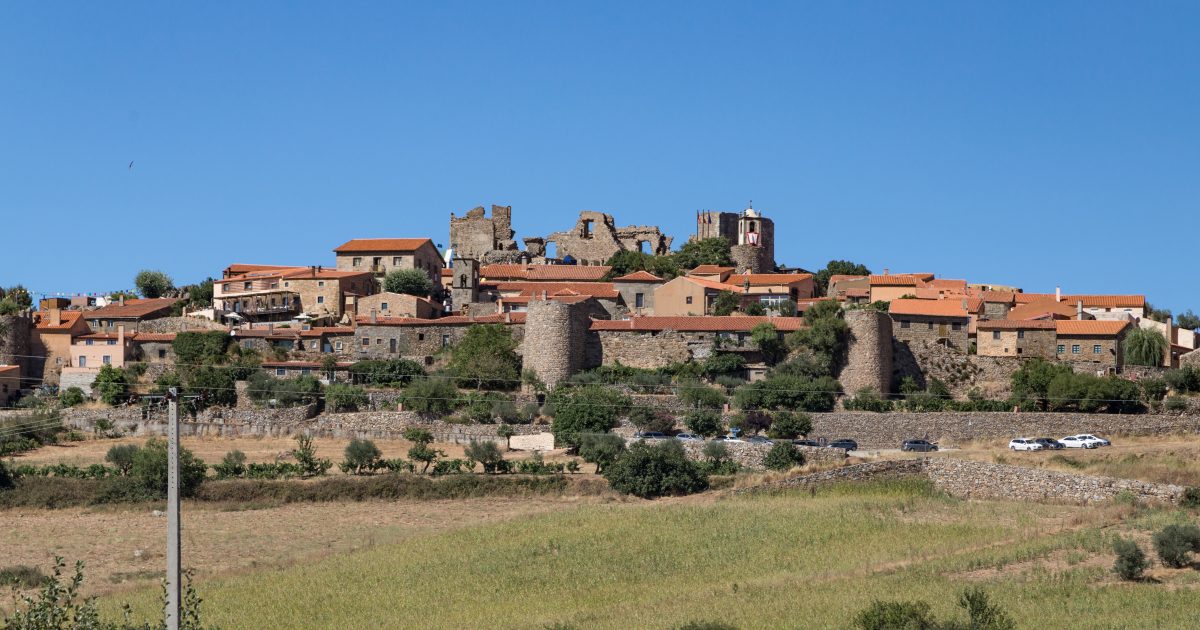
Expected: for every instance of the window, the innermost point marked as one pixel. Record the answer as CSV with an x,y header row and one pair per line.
x,y
246,286
1061,348
996,335
337,346
107,360
639,300
688,300
929,325
357,261
320,299
1096,349
320,283
247,344
383,306
111,342
305,371
1075,348
82,361
280,371
379,342
87,342
955,325
392,345
366,342
445,340
162,354
904,323
395,261
420,336
1020,334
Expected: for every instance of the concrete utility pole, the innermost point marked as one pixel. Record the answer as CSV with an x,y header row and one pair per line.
x,y
173,551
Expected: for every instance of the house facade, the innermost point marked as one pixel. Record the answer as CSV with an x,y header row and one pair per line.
x,y
128,314
1094,342
281,294
1016,338
944,322
50,339
380,256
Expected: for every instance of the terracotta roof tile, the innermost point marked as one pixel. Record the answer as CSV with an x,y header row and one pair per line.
x,y
382,245
341,365
638,276
146,337
453,320
836,278
67,319
1091,327
1004,297
895,281
601,290
709,323
711,270
1042,310
549,273
931,308
768,279
137,309
1016,324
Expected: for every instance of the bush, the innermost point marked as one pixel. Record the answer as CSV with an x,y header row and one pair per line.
x,y
421,451
431,396
788,392
213,385
306,455
1131,561
71,397
867,400
705,422
410,281
717,460
343,397
766,338
113,384
783,456
651,419
1153,389
1175,403
699,396
654,471
289,392
486,358
122,456
233,465
1183,380
1175,544
149,469
880,615
6,477
751,422
29,431
487,454
588,409
789,426
200,348
362,456
1190,498
601,449
386,373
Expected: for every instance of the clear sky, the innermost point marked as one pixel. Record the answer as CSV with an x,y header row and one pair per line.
x,y
1027,143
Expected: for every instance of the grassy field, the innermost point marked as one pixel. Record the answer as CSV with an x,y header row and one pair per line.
x,y
782,560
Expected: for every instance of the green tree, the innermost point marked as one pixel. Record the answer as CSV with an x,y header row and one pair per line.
x,y
601,449
653,471
410,281
200,348
756,309
697,395
486,358
709,251
1188,320
626,262
788,392
71,397
121,457
19,296
153,284
1175,544
825,335
1145,347
421,451
434,396
113,384
783,456
836,268
789,426
705,422
651,419
725,303
232,465
582,410
306,455
487,454
342,397
213,386
766,337
362,456
386,373
1032,381
506,431
201,295
1131,561
149,467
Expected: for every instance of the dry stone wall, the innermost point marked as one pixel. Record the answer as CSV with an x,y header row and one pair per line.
x,y
751,455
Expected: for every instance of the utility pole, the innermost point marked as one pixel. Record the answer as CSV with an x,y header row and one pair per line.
x,y
173,552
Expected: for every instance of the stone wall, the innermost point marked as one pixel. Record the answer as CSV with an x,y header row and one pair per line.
x,y
535,442
926,330
925,361
481,237
1026,344
179,324
870,471
596,238
869,355
1095,354
16,344
751,455
556,340
420,343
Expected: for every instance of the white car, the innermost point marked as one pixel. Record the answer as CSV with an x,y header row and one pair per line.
x,y
1024,444
1083,440
1099,440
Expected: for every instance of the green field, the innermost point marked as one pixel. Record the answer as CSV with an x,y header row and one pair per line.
x,y
787,560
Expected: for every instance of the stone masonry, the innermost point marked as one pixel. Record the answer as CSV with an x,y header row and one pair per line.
x,y
489,240
596,238
869,355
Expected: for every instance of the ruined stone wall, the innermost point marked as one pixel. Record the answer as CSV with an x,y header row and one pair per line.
x,y
480,237
417,342
595,238
869,356
16,345
710,224
641,349
924,361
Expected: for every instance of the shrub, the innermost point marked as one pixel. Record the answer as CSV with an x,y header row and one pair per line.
x,y
756,309
200,348
71,397
410,281
588,409
486,358
113,384
1131,561
122,456
362,456
705,422
306,455
487,454
343,397
601,449
506,431
1175,403
232,465
1175,544
751,422
1190,498
29,431
6,477
717,460
149,469
213,385
725,303
789,426
766,337
654,471
1153,389
431,396
153,284
1184,380
21,576
421,451
699,396
880,615
783,456
788,392
651,419
867,400
386,373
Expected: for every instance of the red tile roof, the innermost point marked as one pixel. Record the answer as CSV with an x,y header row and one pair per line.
x,y
67,320
638,276
948,285
15,369
709,323
768,279
1042,310
1091,327
1089,301
133,309
1016,324
601,290
550,273
836,278
931,308
710,284
382,245
707,270
559,297
146,337
1004,297
453,320
894,281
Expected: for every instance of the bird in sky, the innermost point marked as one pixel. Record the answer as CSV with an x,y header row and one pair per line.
x,y
131,165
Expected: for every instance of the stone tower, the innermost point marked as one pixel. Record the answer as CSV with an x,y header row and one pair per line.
x,y
869,357
710,224
754,249
555,340
464,288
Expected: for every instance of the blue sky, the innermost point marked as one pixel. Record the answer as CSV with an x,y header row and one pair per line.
x,y
1011,142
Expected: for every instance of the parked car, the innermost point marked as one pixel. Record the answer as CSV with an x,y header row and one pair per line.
x,y
849,445
1097,439
689,437
650,435
728,438
1024,444
1050,444
758,439
918,446
806,443
1080,441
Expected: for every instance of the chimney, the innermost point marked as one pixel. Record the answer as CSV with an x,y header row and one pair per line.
x,y
121,300
1079,309
965,308
507,317
1057,294
55,317
121,337
886,272
373,319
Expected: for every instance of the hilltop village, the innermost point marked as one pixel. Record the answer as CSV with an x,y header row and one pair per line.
x,y
592,296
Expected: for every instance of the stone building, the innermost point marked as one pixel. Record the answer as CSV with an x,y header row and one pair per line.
x,y
284,293
1016,338
944,322
422,340
1097,343
869,352
379,256
751,237
655,342
387,304
487,239
516,296
340,372
637,291
300,342
50,341
596,238
10,384
887,287
128,314
997,304
558,340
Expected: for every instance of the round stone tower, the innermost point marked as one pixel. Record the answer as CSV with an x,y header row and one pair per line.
x,y
554,340
869,357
